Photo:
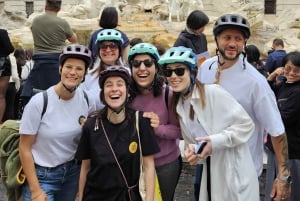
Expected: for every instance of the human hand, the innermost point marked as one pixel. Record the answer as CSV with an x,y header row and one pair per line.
x,y
39,196
154,119
281,190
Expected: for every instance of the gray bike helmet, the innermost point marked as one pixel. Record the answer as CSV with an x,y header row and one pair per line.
x,y
76,51
232,21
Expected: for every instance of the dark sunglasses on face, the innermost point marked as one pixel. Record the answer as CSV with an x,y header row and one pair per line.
x,y
111,46
147,62
177,71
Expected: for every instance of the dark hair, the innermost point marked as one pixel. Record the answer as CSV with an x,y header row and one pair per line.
x,y
278,42
157,85
253,54
53,5
109,18
160,48
293,57
135,41
196,20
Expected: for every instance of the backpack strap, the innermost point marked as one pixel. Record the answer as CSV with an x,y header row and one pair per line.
x,y
167,96
86,97
45,97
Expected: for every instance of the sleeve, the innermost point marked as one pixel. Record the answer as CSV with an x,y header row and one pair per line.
x,y
234,126
269,66
5,43
180,41
67,29
125,39
30,123
148,139
170,130
83,151
290,109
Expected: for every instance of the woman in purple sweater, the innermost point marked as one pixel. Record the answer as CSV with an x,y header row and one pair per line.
x,y
148,92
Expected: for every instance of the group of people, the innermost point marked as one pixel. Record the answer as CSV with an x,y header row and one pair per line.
x,y
114,101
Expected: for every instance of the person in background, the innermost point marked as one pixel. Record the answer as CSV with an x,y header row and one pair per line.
x,y
109,45
274,59
209,114
108,20
49,34
148,92
230,69
135,41
193,37
14,86
109,147
49,139
6,48
27,67
253,57
288,95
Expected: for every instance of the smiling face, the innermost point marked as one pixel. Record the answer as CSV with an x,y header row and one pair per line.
x,y
144,73
72,72
231,44
179,82
115,91
291,72
109,52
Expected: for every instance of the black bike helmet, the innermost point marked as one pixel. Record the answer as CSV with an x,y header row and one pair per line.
x,y
232,21
76,51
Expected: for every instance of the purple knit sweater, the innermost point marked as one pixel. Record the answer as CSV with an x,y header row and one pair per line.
x,y
168,132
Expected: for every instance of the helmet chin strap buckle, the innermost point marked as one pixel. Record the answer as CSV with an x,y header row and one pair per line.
x,y
71,90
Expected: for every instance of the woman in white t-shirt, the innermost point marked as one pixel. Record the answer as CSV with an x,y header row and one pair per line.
x,y
49,135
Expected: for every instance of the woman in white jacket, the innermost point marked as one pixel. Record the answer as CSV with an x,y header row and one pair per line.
x,y
209,113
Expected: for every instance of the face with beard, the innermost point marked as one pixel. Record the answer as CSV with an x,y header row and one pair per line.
x,y
230,44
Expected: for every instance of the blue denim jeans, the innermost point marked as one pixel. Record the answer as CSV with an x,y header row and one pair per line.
x,y
59,183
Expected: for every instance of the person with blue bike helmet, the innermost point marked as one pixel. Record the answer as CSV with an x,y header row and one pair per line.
x,y
210,116
148,92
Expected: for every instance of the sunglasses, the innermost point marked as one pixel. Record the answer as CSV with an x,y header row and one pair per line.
x,y
111,46
147,62
177,71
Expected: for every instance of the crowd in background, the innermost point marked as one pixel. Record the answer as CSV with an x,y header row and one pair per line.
x,y
235,102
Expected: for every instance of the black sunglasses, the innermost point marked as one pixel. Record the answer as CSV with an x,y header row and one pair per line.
x,y
147,62
177,71
111,46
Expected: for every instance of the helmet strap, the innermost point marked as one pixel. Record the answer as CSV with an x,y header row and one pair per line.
x,y
71,90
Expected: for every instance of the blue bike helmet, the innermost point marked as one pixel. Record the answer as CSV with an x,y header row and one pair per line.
x,y
109,35
143,48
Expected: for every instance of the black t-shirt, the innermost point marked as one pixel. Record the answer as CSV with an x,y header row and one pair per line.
x,y
104,180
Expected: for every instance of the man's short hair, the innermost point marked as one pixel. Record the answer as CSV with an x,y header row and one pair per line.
x,y
53,5
278,42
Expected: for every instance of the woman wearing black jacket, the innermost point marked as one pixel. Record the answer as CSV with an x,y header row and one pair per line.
x,y
5,68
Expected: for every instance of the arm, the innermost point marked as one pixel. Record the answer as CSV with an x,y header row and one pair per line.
x,y
125,51
281,189
149,176
25,146
73,38
154,119
85,167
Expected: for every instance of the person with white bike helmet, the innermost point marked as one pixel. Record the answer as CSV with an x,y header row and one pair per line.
x,y
50,130
210,116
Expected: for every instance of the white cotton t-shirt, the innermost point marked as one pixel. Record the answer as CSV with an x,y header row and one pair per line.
x,y
58,131
253,92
